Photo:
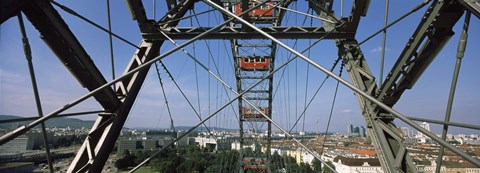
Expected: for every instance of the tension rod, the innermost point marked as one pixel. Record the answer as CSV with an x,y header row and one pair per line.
x,y
462,44
28,56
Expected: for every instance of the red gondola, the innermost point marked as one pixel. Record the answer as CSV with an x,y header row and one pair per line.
x,y
252,113
264,10
259,63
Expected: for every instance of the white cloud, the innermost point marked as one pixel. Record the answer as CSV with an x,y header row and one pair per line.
x,y
11,77
378,49
347,111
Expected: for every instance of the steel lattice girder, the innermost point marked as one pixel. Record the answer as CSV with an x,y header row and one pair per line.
x,y
68,49
280,32
472,5
10,8
264,95
391,152
95,151
433,32
386,140
440,17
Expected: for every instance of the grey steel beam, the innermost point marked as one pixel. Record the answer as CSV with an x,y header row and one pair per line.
x,y
137,11
58,116
249,77
254,45
463,125
96,149
171,4
10,8
173,16
471,5
281,32
432,34
362,78
99,144
390,149
281,12
258,91
68,49
359,8
324,9
256,98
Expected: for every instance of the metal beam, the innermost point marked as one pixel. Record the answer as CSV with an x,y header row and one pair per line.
x,y
138,13
29,57
382,129
463,125
462,44
391,152
57,116
10,8
280,32
100,142
432,34
241,77
106,129
359,8
68,49
471,5
362,78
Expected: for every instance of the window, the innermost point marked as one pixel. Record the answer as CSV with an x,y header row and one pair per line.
x,y
264,6
262,59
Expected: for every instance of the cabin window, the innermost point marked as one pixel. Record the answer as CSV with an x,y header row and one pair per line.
x,y
264,6
262,60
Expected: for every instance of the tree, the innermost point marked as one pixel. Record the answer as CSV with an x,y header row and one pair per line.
x,y
214,169
276,162
121,164
185,167
317,166
291,164
305,168
328,170
141,156
167,166
126,161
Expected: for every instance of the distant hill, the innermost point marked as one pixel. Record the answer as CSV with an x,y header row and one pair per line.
x,y
73,123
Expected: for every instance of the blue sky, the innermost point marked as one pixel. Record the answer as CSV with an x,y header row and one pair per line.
x,y
427,99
